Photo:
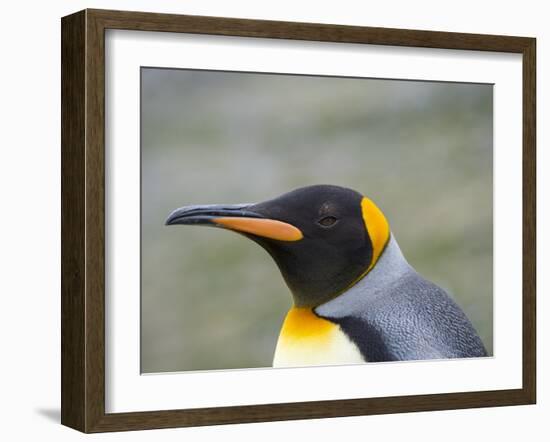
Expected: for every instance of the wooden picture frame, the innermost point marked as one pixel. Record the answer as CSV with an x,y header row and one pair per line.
x,y
83,220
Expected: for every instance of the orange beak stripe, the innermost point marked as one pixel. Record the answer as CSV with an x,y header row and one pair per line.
x,y
266,228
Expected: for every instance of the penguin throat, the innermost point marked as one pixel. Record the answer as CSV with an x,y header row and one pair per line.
x,y
376,258
369,268
310,295
391,267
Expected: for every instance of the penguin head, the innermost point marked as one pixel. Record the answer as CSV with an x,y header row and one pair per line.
x,y
323,238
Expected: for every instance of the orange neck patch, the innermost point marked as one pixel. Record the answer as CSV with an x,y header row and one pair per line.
x,y
308,340
302,323
378,228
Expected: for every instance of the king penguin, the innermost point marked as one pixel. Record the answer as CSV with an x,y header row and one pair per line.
x,y
356,298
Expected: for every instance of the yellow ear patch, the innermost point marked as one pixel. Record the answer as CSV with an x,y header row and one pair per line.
x,y
377,226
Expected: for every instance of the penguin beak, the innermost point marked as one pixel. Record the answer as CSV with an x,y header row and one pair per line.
x,y
237,217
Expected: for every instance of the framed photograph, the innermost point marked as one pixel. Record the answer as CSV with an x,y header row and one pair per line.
x,y
381,183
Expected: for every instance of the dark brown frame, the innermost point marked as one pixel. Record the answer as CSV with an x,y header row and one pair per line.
x,y
83,215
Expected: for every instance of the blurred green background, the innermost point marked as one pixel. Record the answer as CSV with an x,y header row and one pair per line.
x,y
212,299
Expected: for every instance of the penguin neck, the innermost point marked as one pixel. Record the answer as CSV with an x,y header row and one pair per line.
x,y
390,267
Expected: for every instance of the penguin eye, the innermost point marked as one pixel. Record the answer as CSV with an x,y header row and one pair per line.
x,y
327,221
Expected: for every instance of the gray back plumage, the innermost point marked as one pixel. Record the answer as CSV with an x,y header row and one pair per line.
x,y
394,314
